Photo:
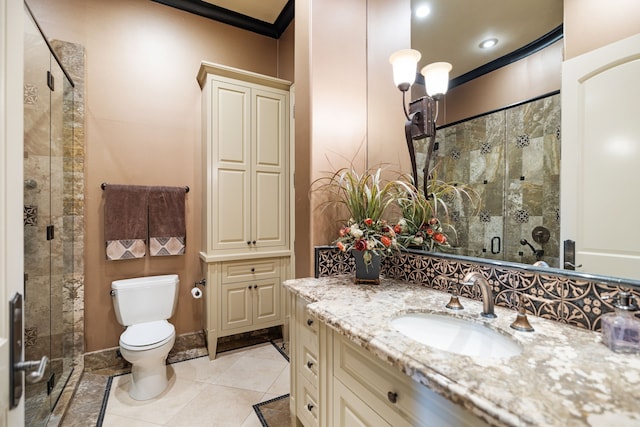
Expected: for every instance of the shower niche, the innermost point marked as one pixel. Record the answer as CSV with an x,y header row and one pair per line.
x,y
48,226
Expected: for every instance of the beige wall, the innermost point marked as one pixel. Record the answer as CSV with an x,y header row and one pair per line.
x,y
343,114
535,75
590,24
143,125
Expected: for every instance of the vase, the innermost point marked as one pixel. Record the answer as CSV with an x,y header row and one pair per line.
x,y
367,273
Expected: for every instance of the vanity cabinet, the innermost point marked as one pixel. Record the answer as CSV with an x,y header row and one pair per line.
x,y
247,231
335,383
305,363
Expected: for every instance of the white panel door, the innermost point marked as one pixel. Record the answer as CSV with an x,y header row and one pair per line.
x,y
601,158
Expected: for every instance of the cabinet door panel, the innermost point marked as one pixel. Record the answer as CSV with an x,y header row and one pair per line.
x,y
236,306
270,189
267,301
350,411
269,129
271,218
231,123
231,163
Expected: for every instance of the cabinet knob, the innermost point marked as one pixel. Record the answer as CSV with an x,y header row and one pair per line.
x,y
253,270
255,286
249,287
392,396
309,365
248,242
309,322
309,407
253,243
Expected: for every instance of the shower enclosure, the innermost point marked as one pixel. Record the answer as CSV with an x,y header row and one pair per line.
x,y
48,226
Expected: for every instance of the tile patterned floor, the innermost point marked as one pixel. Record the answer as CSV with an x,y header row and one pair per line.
x,y
201,392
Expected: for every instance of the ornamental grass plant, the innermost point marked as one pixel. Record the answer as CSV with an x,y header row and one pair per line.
x,y
366,197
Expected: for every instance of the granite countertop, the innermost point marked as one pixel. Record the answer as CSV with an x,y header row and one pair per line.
x,y
564,376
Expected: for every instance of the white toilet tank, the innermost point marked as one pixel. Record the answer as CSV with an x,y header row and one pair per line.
x,y
145,299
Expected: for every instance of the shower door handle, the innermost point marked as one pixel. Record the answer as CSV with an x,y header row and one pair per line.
x,y
38,374
17,365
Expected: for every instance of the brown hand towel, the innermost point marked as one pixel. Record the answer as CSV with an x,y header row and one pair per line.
x,y
167,230
125,221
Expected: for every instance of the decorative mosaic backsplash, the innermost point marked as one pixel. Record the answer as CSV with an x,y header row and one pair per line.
x,y
511,159
552,296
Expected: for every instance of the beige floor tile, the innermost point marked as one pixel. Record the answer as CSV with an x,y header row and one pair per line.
x,y
203,369
282,384
112,420
216,405
252,421
178,394
205,392
252,373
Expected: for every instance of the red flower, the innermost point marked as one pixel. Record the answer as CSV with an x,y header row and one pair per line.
x,y
433,221
440,238
385,241
397,229
360,245
429,231
341,246
368,221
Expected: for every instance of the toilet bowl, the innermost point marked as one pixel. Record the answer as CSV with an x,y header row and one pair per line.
x,y
143,305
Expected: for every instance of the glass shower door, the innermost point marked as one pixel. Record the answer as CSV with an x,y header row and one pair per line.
x,y
48,233
37,202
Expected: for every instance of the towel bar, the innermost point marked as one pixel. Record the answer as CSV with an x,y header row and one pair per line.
x,y
104,185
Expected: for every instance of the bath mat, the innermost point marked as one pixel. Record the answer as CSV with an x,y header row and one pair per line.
x,y
274,412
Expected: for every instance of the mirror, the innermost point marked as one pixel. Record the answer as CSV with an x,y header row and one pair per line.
x,y
452,33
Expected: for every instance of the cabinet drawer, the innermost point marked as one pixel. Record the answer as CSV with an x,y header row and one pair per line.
x,y
309,362
307,402
238,271
309,323
396,397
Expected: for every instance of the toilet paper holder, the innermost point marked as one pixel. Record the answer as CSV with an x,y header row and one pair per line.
x,y
202,282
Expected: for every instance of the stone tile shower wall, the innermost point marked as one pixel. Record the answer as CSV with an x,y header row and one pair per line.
x,y
511,159
549,295
72,56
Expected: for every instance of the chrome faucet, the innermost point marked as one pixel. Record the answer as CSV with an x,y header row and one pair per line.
x,y
487,295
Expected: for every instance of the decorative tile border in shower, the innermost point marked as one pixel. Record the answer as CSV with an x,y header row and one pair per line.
x,y
552,296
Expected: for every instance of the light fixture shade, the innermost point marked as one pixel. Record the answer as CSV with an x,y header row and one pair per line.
x,y
436,78
405,63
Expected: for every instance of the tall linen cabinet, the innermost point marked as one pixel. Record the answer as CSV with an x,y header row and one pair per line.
x,y
247,189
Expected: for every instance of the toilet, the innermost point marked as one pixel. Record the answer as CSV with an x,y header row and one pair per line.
x,y
143,305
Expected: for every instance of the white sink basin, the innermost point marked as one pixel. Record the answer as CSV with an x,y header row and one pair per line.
x,y
456,335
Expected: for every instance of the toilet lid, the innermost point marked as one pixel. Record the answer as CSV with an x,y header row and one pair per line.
x,y
145,334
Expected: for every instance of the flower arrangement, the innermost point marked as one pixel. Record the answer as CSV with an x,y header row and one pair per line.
x,y
420,224
366,197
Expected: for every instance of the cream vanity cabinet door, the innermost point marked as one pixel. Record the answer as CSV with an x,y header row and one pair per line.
x,y
350,411
250,294
391,395
247,157
250,304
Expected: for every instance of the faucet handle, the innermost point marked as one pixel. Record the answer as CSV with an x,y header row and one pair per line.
x,y
454,303
521,323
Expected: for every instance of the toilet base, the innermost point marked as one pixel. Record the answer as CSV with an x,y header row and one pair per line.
x,y
148,380
148,370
